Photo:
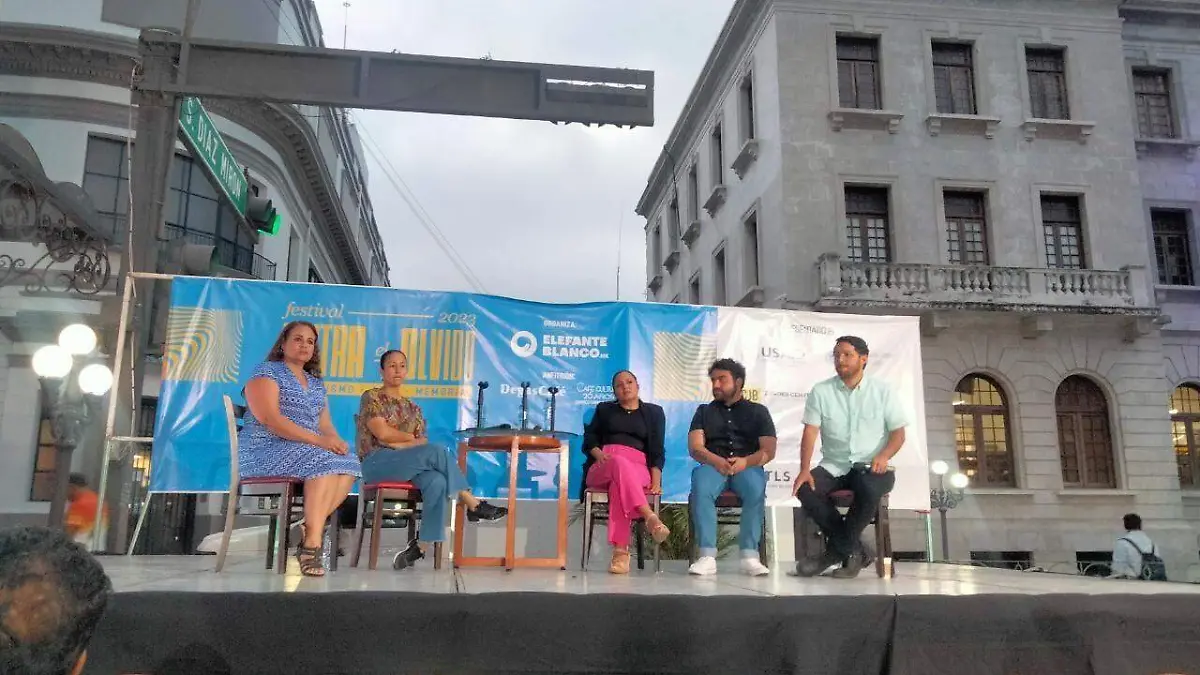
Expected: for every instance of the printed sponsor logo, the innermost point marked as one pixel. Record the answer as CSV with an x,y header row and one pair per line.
x,y
523,344
558,376
515,390
776,354
594,392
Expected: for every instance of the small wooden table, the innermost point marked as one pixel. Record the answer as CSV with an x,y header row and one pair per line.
x,y
514,444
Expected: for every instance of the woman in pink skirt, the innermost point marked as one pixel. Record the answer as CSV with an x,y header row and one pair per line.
x,y
624,446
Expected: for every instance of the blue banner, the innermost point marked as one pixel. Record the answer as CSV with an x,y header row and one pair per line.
x,y
219,330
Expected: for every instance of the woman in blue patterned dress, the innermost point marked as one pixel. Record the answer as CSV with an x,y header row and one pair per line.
x,y
288,433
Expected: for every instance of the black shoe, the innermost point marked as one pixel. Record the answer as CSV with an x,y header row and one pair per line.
x,y
408,557
486,511
851,567
811,567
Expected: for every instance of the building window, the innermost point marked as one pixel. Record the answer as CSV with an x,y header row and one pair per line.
x,y
41,487
106,181
858,72
719,297
314,277
1084,442
867,228
746,107
694,193
954,78
966,228
1185,433
1062,229
1152,98
656,256
981,432
1047,71
717,151
694,290
1172,247
751,249
196,213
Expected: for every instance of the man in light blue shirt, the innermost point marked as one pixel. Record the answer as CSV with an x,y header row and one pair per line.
x,y
860,421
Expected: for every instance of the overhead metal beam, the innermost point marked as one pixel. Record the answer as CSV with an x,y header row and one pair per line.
x,y
408,82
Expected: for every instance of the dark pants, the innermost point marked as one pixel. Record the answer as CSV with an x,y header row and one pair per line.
x,y
843,533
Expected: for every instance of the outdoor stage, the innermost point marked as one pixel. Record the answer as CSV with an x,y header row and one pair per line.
x,y
929,619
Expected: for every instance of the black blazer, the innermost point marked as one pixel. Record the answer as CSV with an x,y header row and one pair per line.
x,y
594,433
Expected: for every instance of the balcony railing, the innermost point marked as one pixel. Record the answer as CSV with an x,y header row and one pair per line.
x,y
229,254
845,283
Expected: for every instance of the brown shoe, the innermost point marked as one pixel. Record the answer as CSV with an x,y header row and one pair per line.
x,y
620,562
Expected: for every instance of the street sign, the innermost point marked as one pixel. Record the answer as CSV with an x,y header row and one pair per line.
x,y
207,146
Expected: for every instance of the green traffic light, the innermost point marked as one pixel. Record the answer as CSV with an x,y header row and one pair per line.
x,y
272,226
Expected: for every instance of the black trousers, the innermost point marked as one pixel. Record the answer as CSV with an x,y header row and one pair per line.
x,y
843,533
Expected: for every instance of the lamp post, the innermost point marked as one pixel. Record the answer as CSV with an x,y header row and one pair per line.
x,y
945,498
69,381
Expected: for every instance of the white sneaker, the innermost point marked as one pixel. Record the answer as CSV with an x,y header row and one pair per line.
x,y
752,567
704,567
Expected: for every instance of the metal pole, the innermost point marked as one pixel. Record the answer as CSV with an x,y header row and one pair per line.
x,y
945,537
928,536
111,420
62,477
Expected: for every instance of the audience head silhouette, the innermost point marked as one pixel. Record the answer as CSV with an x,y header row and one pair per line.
x,y
52,594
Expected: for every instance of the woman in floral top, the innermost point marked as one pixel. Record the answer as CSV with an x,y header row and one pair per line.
x,y
393,446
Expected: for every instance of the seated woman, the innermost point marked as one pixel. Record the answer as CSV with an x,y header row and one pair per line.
x,y
288,433
393,446
624,444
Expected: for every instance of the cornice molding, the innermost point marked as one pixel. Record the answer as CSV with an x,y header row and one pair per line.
x,y
731,43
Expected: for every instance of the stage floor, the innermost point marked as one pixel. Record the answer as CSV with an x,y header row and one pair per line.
x,y
244,574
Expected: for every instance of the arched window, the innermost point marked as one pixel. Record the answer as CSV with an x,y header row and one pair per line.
x,y
1084,439
1185,433
981,432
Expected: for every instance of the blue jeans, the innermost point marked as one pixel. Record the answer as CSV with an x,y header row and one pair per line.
x,y
750,486
431,469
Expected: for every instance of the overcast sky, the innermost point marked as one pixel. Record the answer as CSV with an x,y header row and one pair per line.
x,y
533,209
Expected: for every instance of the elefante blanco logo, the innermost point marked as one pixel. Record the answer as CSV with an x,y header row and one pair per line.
x,y
523,344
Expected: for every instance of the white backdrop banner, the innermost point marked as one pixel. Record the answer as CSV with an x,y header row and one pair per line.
x,y
786,352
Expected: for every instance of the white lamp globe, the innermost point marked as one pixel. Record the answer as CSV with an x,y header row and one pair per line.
x,y
52,361
939,468
96,379
959,480
78,339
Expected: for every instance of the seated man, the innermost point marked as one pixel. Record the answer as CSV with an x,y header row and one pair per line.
x,y
52,594
861,425
733,439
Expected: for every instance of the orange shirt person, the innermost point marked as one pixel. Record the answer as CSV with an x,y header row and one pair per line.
x,y
82,506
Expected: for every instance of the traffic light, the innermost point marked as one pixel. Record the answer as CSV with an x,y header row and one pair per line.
x,y
262,214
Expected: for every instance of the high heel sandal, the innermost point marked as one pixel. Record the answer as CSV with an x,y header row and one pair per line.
x,y
620,562
310,561
658,531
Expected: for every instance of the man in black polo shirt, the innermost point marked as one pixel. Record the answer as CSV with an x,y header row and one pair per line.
x,y
733,439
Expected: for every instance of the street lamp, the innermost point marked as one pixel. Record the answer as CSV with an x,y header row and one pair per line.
x,y
945,498
68,381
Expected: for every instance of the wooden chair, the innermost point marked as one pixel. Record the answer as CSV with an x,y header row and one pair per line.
x,y
285,488
408,497
810,543
593,498
727,500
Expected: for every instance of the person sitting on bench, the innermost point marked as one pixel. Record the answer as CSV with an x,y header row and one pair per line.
x,y
861,424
